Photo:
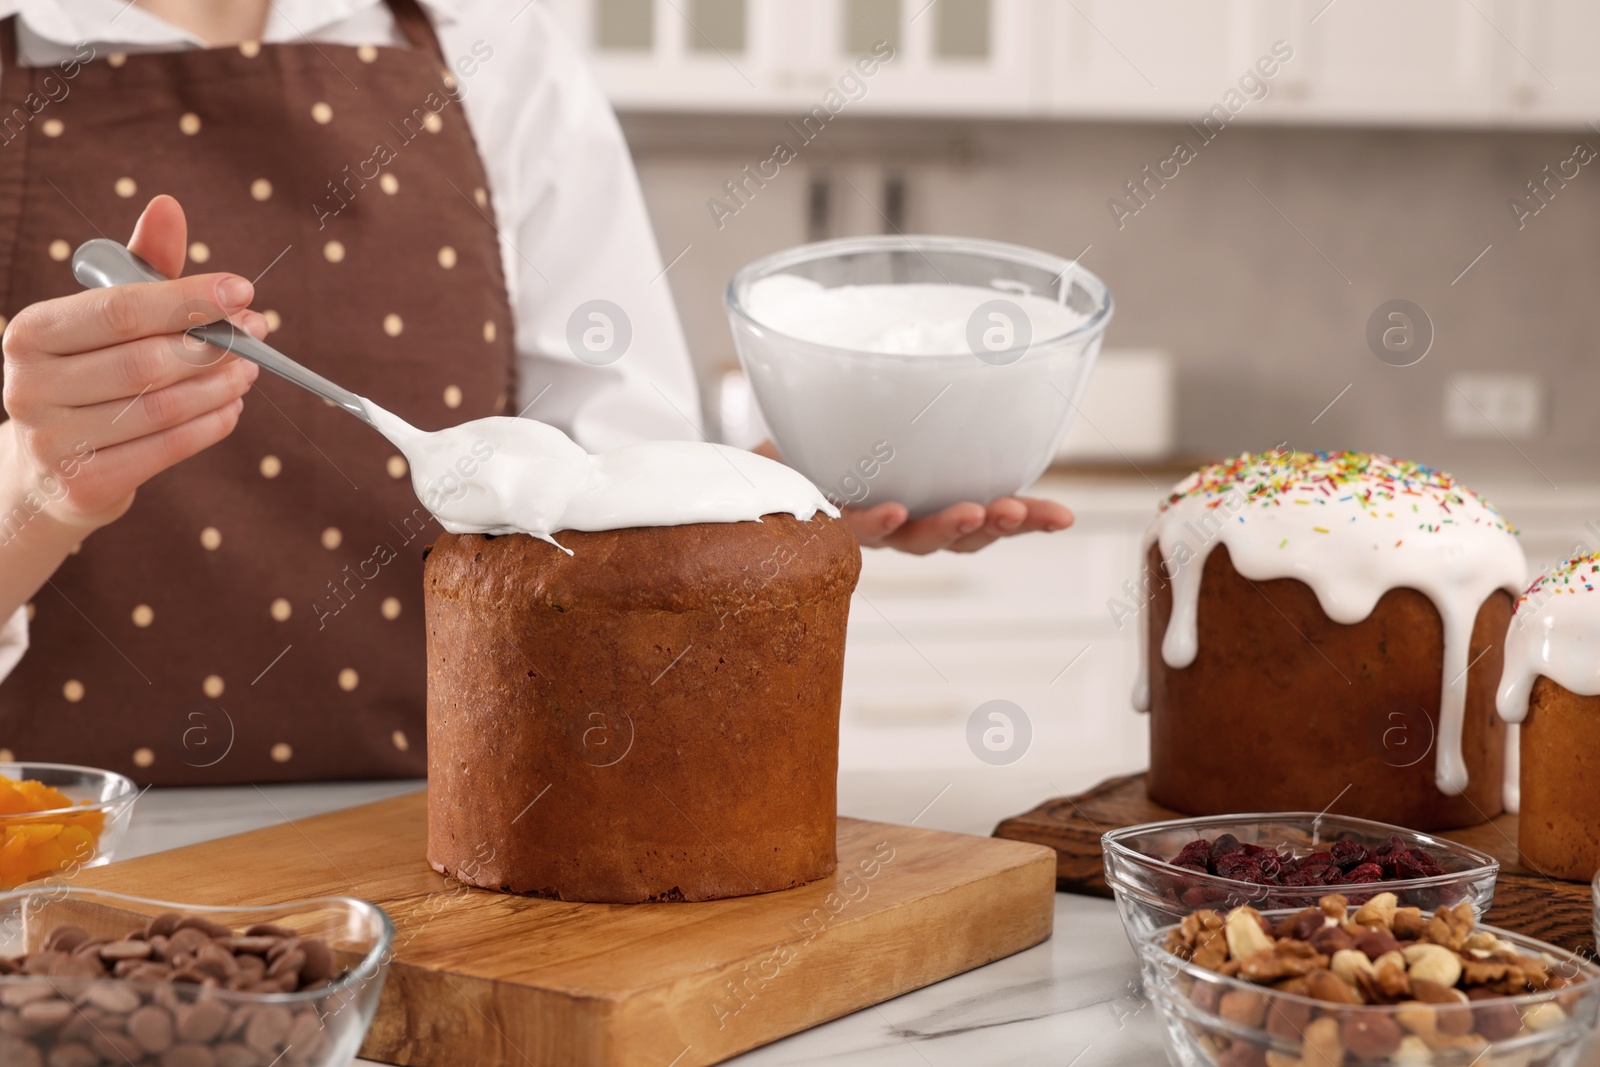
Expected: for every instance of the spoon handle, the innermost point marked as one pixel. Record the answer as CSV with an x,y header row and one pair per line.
x,y
99,263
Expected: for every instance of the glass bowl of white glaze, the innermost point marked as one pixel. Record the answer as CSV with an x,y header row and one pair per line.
x,y
922,370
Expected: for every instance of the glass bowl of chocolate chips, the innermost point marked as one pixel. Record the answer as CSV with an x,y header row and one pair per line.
x,y
1162,871
90,978
1377,985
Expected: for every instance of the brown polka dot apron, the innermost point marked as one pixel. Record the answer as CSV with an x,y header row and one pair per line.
x,y
257,614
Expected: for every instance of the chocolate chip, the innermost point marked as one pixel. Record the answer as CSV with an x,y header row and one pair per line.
x,y
111,996
18,1053
116,1047
151,1026
290,963
115,951
46,1014
257,945
163,925
41,962
306,1035
205,926
268,930
268,1028
186,941
18,994
65,938
232,1054
74,1054
319,966
189,1055
202,1021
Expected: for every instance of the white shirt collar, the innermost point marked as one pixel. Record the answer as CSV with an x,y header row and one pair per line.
x,y
69,22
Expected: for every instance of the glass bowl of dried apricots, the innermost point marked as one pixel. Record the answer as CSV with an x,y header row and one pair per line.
x,y
56,819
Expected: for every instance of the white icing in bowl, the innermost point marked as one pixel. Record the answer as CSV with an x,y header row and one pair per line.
x,y
911,319
1352,526
505,475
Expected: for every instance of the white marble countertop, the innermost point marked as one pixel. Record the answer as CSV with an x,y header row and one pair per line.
x,y
1070,1001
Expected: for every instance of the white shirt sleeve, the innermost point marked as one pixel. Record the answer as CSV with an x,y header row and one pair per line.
x,y
573,230
13,640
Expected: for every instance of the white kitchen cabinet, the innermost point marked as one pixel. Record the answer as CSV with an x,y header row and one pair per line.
x,y
1144,59
949,56
1375,62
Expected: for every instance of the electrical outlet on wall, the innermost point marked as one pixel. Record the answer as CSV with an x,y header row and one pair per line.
x,y
1494,405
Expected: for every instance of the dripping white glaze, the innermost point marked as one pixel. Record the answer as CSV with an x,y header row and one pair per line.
x,y
504,475
1351,526
1554,633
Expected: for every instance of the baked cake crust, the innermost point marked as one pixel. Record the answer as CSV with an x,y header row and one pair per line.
x,y
1558,828
1283,708
653,717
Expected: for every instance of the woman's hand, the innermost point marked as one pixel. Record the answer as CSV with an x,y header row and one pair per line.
x,y
958,528
105,391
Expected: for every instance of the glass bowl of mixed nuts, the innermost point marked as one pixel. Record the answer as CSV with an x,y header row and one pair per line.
x,y
89,977
1162,871
1375,984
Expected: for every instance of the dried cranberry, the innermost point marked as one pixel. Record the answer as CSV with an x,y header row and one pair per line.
x,y
1225,845
1195,852
1195,867
1366,872
1195,897
1414,863
1241,868
1395,845
1349,854
1251,850
1271,864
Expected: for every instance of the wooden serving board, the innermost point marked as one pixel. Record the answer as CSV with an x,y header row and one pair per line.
x,y
486,978
1525,901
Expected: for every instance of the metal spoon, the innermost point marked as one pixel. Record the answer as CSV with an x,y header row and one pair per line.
x,y
100,263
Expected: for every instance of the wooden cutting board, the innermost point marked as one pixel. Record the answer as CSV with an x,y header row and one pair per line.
x,y
1525,901
483,978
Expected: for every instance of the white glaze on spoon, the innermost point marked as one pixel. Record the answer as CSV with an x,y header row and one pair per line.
x,y
1555,633
1351,526
504,475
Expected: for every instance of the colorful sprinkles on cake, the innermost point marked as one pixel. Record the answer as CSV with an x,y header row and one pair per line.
x,y
1578,574
1373,482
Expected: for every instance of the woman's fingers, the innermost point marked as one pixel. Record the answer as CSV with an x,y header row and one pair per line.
x,y
872,525
959,528
100,318
161,236
118,421
933,532
121,371
1014,515
105,477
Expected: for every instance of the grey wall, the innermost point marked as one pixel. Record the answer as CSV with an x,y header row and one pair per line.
x,y
1267,324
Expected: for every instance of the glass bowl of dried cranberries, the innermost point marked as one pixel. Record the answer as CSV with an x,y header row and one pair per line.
x,y
1162,871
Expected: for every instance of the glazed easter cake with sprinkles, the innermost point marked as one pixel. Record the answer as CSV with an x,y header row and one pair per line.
x,y
1325,631
1551,687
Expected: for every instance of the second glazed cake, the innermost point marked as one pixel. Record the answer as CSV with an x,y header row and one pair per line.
x,y
653,717
1552,688
1324,632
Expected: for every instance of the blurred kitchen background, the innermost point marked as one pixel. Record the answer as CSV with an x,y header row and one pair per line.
x,y
1433,151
